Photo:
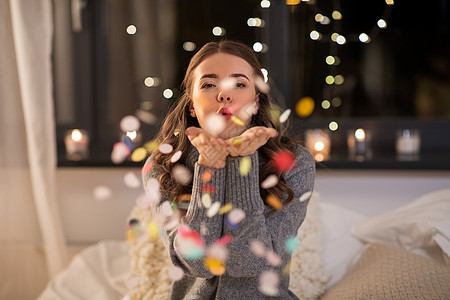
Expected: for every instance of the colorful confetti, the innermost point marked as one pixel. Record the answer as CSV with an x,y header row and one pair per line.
x,y
206,200
133,282
176,156
147,167
102,193
208,188
129,123
151,146
166,208
119,153
273,259
305,196
245,165
258,248
139,154
182,174
226,208
270,181
176,273
153,230
268,283
274,202
215,124
283,160
284,116
165,148
291,244
206,175
213,210
237,121
215,266
131,180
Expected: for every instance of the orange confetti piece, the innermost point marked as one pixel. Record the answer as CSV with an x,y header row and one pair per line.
x,y
215,266
207,175
274,202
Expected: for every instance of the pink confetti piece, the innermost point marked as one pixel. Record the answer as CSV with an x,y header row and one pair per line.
x,y
119,153
213,210
270,181
176,273
305,196
165,148
102,193
131,180
147,167
182,174
176,156
258,248
273,258
236,215
130,123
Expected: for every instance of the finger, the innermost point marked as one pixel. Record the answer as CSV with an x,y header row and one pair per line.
x,y
271,132
193,131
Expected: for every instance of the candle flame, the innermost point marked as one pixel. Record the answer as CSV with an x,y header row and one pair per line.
x,y
76,135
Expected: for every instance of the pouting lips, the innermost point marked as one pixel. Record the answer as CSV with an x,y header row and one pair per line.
x,y
225,112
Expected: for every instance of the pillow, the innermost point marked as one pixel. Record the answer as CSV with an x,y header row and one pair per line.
x,y
422,226
339,247
388,272
308,276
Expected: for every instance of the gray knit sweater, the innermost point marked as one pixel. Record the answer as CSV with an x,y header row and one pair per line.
x,y
243,267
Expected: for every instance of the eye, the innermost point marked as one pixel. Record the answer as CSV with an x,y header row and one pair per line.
x,y
208,85
240,85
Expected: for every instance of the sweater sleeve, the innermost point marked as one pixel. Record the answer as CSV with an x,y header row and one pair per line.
x,y
271,230
209,228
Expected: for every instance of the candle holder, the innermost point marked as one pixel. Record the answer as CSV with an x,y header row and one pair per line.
x,y
77,144
318,143
359,144
408,144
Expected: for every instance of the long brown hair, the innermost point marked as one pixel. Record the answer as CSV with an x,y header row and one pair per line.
x,y
178,119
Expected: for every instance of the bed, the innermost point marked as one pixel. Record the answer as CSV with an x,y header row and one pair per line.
x,y
400,254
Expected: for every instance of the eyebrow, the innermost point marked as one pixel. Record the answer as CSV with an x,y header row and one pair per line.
x,y
234,75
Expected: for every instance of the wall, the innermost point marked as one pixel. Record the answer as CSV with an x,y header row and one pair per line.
x,y
87,220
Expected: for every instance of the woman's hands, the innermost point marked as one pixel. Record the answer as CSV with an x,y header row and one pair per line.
x,y
214,151
250,140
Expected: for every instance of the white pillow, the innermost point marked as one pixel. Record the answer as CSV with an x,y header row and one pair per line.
x,y
422,226
340,248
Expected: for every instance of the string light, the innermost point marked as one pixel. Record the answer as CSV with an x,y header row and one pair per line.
x,y
218,31
332,59
131,29
265,4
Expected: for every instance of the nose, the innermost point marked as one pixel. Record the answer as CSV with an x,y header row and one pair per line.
x,y
223,96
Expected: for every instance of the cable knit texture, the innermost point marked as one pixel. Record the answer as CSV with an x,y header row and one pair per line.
x,y
243,267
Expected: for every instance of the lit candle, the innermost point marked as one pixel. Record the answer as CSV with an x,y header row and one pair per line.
x,y
318,143
408,144
77,143
358,142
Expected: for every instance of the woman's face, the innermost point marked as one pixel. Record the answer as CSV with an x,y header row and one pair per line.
x,y
223,85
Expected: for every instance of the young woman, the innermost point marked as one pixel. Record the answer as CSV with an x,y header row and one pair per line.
x,y
223,125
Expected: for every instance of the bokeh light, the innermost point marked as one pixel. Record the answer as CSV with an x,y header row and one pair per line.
x,y
305,107
189,46
325,104
336,102
315,35
338,79
168,93
382,23
265,3
131,29
333,126
151,81
341,40
363,37
218,31
329,79
336,15
330,60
